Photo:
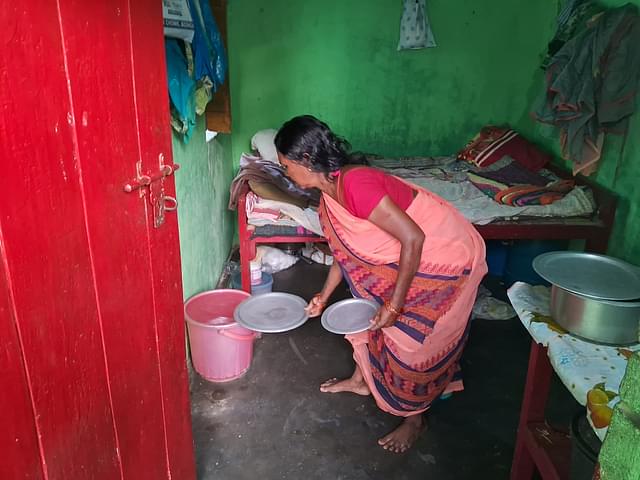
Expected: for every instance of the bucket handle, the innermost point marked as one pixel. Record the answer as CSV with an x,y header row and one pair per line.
x,y
235,336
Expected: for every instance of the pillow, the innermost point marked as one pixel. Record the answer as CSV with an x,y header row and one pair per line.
x,y
269,191
262,142
493,143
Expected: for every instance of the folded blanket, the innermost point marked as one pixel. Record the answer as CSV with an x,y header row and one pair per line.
x,y
513,185
258,210
258,169
255,211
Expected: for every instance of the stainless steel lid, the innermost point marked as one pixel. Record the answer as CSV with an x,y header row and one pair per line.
x,y
349,316
271,312
591,275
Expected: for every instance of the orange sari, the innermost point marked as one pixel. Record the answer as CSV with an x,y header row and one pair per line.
x,y
413,362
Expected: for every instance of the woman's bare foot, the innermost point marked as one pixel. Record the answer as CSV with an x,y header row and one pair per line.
x,y
334,385
403,437
355,384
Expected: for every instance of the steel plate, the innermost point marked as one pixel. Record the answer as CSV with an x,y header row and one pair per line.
x,y
271,312
594,276
349,316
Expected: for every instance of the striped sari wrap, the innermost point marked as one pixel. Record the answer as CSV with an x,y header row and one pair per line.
x,y
410,364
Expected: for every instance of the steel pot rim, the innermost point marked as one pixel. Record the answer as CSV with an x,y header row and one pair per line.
x,y
613,303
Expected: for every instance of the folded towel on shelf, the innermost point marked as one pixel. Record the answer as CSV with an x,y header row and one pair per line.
x,y
255,211
261,211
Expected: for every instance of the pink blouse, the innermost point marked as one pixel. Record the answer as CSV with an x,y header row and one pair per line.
x,y
364,188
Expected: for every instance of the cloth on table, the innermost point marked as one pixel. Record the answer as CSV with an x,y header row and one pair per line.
x,y
258,169
413,362
270,210
510,184
581,366
591,85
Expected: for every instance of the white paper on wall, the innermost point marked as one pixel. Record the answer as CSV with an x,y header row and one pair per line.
x,y
177,20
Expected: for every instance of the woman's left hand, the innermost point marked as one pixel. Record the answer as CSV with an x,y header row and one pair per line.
x,y
383,319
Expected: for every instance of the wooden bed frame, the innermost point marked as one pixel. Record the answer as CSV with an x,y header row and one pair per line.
x,y
595,230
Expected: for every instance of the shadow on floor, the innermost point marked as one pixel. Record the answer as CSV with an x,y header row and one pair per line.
x,y
274,423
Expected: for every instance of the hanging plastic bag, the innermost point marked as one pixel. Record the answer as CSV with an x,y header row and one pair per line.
x,y
177,20
210,56
415,31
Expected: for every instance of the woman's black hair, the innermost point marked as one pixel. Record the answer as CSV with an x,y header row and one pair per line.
x,y
307,140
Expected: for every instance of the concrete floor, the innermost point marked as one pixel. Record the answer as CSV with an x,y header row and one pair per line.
x,y
274,423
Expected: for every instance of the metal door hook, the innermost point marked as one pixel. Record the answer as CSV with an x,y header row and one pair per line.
x,y
170,203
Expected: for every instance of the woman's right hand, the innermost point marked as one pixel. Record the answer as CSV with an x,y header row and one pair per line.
x,y
315,307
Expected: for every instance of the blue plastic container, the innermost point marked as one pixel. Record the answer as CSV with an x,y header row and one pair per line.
x,y
265,285
497,252
519,267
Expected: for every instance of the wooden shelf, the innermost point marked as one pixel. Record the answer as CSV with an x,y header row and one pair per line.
x,y
218,111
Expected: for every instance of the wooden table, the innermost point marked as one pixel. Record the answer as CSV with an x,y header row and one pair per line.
x,y
580,365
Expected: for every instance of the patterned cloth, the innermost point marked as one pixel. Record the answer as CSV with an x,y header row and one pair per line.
x,y
494,143
513,185
582,366
591,85
412,363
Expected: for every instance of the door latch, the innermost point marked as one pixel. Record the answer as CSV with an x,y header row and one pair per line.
x,y
152,186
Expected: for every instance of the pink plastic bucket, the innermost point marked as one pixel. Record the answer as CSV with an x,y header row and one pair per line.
x,y
221,350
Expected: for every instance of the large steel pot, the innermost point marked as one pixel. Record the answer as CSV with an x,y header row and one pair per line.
x,y
603,321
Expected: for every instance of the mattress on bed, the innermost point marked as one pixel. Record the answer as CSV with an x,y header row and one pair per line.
x,y
447,177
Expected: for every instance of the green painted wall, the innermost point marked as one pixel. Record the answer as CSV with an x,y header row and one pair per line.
x,y
625,242
206,226
337,59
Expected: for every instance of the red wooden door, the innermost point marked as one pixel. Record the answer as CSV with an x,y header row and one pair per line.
x,y
93,382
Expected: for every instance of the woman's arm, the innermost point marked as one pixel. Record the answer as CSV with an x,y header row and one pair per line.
x,y
318,302
331,283
390,218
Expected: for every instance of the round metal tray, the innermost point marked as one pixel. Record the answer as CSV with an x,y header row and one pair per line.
x,y
349,316
271,312
591,275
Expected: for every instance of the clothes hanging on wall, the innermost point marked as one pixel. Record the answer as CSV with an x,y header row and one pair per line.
x,y
591,86
195,70
415,30
210,57
572,20
181,88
